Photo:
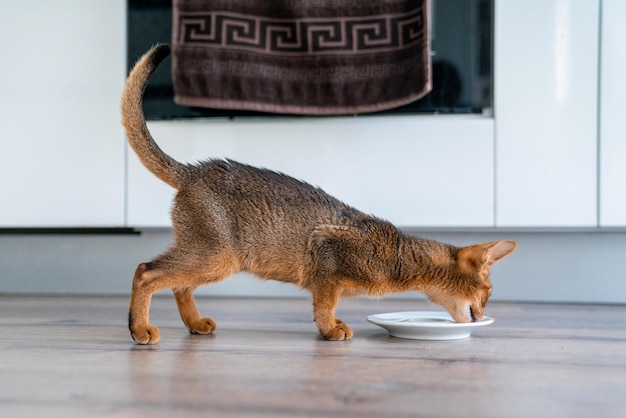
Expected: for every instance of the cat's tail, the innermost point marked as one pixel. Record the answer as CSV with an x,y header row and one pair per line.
x,y
160,164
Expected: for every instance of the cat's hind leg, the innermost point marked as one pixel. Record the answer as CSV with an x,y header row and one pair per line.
x,y
190,314
176,269
325,300
141,295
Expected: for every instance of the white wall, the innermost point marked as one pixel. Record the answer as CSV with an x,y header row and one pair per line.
x,y
61,142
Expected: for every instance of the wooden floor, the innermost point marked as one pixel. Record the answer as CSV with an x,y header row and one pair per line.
x,y
73,357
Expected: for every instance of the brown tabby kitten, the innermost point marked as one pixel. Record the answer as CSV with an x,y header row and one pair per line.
x,y
229,217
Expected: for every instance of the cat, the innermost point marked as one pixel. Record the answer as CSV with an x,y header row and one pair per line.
x,y
229,217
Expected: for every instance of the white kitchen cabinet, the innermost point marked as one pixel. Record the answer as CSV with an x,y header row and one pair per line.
x,y
61,75
546,90
535,163
613,114
411,170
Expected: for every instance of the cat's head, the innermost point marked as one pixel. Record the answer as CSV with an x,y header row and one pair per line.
x,y
467,288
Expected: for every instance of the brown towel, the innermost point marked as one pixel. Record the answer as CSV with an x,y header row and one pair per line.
x,y
316,57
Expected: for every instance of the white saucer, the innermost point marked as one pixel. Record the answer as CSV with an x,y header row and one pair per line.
x,y
426,325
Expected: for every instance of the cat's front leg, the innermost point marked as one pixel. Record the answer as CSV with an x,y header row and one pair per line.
x,y
325,301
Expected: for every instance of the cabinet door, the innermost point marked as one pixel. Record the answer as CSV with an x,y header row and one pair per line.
x,y
546,77
613,114
411,170
62,72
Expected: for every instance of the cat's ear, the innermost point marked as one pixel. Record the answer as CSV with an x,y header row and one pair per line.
x,y
475,257
499,250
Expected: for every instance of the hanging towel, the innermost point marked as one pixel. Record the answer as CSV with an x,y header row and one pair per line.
x,y
315,57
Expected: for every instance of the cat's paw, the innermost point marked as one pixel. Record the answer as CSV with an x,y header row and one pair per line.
x,y
202,326
145,335
340,332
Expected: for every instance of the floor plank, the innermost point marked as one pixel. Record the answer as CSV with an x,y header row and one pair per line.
x,y
73,356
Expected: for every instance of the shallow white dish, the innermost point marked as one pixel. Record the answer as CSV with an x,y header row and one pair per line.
x,y
426,325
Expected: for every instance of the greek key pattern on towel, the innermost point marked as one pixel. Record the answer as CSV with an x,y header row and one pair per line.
x,y
302,36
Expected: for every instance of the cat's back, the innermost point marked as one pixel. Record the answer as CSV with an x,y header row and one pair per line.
x,y
248,191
